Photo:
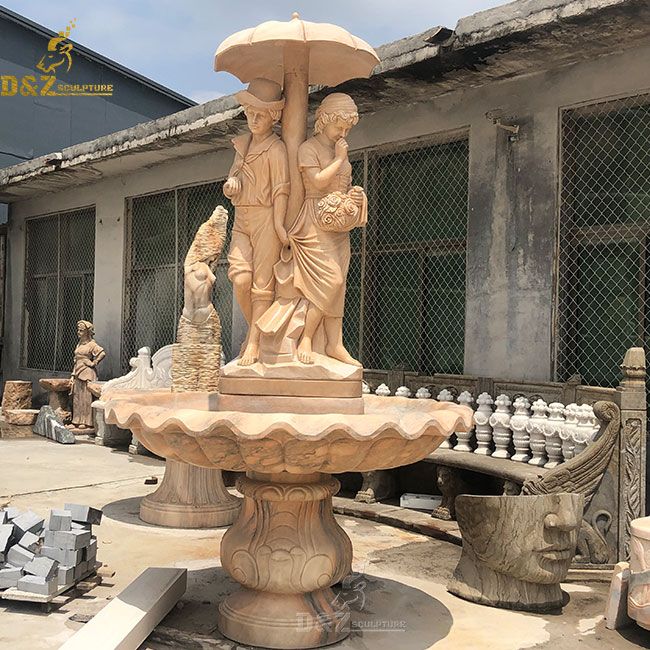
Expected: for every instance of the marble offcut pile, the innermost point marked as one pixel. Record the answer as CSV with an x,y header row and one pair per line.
x,y
41,557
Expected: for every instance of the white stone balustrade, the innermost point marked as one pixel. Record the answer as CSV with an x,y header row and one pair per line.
x,y
552,430
403,391
535,427
423,393
445,396
520,435
382,390
464,438
584,429
568,430
500,422
482,421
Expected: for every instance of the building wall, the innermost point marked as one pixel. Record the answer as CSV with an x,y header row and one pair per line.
x,y
511,246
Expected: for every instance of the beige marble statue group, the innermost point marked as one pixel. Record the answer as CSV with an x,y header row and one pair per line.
x,y
289,410
290,280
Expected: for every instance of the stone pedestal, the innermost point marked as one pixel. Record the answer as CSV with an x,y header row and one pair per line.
x,y
638,600
108,435
190,497
286,550
16,395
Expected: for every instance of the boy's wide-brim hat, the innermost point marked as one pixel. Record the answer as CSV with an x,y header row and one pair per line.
x,y
262,93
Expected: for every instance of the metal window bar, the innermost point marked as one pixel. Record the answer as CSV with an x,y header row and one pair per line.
x,y
160,228
603,294
58,290
405,304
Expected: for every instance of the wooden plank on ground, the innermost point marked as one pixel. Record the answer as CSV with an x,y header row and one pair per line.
x,y
130,617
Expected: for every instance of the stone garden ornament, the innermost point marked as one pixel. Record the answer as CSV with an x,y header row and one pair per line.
x,y
516,549
87,356
290,410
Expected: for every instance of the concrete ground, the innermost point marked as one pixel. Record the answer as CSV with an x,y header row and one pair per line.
x,y
398,600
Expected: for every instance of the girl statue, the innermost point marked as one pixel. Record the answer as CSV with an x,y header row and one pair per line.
x,y
320,244
87,355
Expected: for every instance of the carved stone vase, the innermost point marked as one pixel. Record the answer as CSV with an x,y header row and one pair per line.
x,y
190,497
286,550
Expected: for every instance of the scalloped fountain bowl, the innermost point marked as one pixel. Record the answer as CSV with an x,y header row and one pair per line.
x,y
285,549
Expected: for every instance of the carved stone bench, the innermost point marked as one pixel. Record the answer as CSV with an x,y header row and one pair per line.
x,y
582,474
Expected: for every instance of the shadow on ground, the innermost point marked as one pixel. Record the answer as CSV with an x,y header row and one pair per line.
x,y
386,614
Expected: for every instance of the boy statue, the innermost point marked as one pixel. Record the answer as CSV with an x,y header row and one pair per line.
x,y
258,186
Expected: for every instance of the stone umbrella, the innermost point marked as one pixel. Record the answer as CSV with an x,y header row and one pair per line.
x,y
295,54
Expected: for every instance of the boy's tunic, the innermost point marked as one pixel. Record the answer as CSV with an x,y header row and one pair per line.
x,y
263,172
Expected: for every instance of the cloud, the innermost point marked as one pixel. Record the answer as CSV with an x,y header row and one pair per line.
x,y
202,96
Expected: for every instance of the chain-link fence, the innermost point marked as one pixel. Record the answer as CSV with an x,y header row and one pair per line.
x,y
604,246
405,304
59,279
161,228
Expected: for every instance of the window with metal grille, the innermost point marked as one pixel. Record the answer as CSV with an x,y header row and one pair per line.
x,y
59,279
161,228
405,303
603,294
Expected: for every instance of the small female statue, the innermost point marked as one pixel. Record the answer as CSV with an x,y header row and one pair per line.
x,y
87,355
320,239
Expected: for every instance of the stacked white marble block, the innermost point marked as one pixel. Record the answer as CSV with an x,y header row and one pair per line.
x,y
42,557
539,434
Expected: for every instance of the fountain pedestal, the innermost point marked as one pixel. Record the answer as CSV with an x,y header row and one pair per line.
x,y
286,550
190,497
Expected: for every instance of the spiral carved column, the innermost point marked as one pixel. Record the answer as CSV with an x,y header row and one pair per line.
x,y
286,550
190,497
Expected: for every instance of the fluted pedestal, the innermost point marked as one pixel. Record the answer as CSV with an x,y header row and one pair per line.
x,y
190,497
286,550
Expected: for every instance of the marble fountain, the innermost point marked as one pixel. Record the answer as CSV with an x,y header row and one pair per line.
x,y
289,411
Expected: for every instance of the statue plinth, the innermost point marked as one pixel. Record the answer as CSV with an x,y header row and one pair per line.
x,y
286,551
190,497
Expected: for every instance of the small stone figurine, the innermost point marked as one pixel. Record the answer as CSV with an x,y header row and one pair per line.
x,y
87,356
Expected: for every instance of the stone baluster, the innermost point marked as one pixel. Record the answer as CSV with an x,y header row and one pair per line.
x,y
464,438
535,427
482,422
403,391
583,431
423,393
382,390
552,428
445,396
566,433
500,422
520,435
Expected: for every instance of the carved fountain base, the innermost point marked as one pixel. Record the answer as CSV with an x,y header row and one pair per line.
x,y
286,550
190,497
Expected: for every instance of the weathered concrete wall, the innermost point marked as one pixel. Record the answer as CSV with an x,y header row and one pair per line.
x,y
512,210
109,197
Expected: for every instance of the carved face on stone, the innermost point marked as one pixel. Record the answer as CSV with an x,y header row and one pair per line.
x,y
260,121
531,538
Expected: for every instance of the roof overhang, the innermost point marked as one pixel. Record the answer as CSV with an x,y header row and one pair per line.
x,y
501,43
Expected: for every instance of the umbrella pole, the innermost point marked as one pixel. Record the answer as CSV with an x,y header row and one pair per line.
x,y
294,119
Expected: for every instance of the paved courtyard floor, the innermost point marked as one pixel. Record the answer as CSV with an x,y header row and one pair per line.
x,y
398,599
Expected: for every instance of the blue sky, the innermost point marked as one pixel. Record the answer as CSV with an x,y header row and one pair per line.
x,y
173,42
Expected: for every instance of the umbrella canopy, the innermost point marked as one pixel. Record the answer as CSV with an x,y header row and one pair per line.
x,y
335,55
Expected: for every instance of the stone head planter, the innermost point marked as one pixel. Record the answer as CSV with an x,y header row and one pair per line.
x,y
516,549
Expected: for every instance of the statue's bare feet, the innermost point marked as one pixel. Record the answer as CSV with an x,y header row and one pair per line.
x,y
340,353
304,351
250,356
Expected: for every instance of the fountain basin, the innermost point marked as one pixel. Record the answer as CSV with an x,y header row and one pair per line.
x,y
285,549
190,427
